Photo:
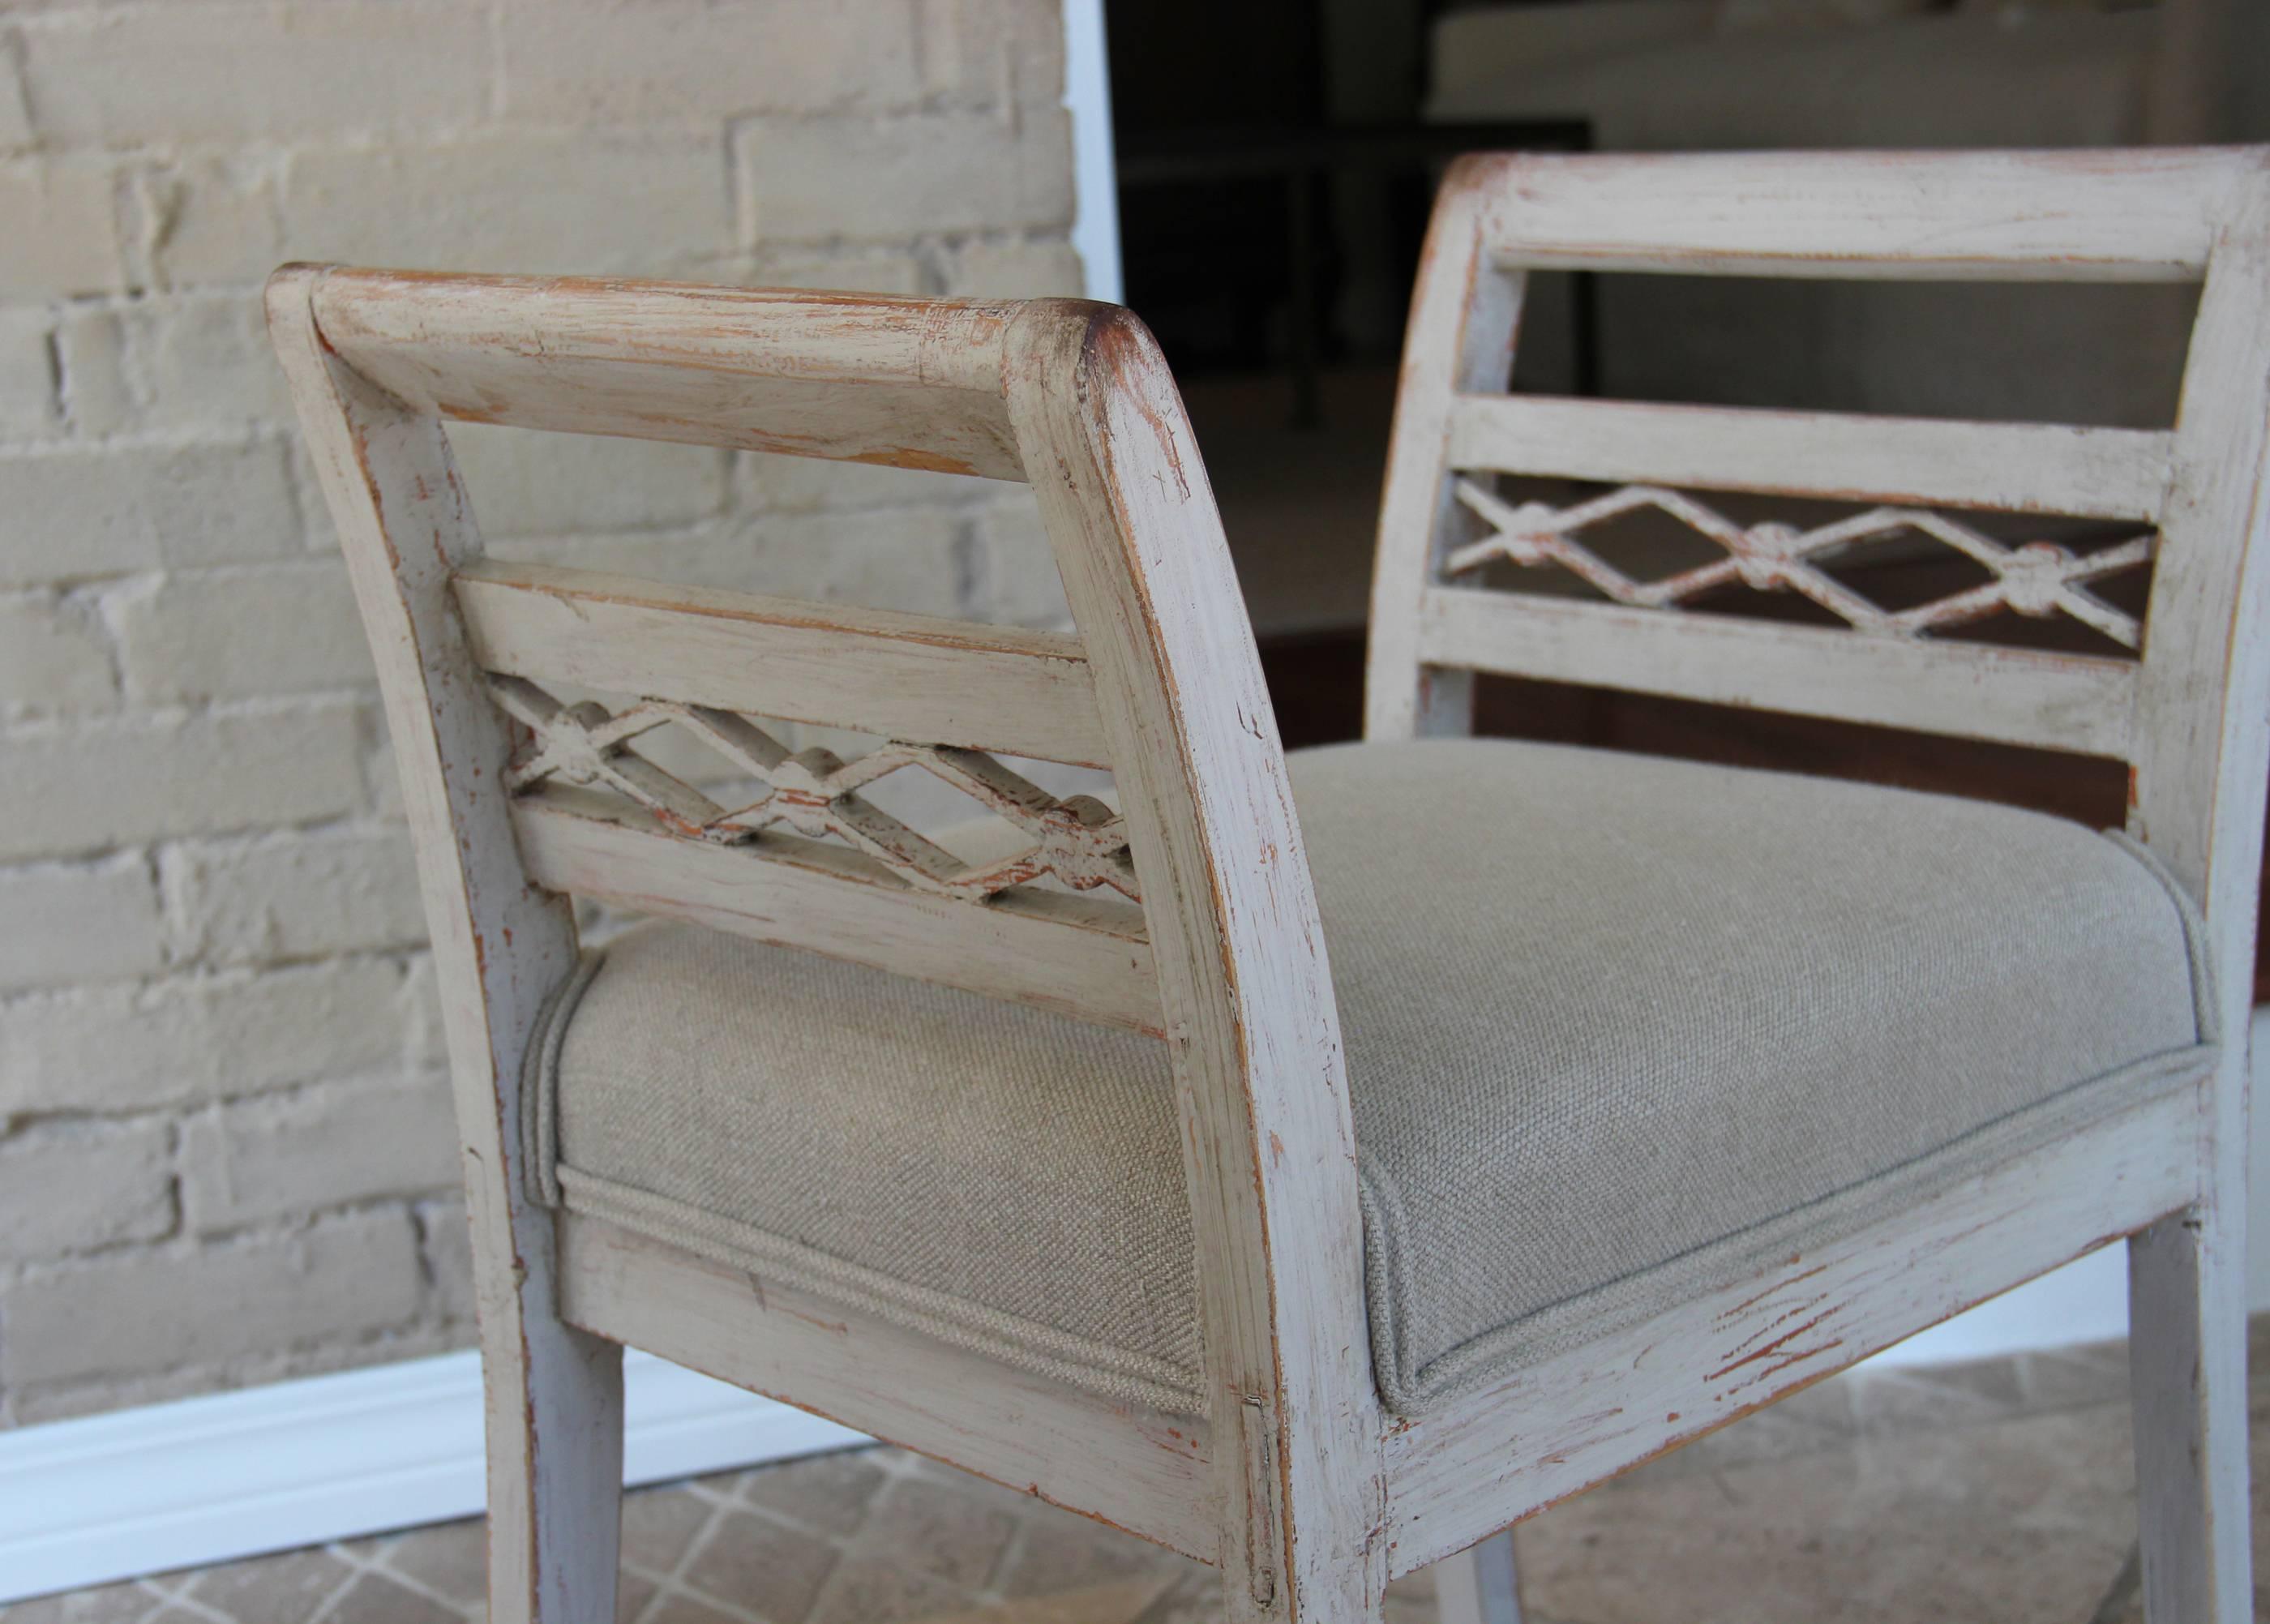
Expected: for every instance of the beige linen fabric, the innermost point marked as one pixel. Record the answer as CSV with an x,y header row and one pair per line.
x,y
1618,1029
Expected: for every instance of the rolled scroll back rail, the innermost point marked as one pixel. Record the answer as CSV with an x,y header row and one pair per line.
x,y
760,369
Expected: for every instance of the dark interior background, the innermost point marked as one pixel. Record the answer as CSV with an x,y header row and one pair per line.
x,y
1275,179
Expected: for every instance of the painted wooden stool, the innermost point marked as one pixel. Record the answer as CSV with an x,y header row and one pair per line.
x,y
1317,1166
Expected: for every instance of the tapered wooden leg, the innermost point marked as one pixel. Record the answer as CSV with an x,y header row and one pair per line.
x,y
553,1413
1479,1586
2187,1353
555,1465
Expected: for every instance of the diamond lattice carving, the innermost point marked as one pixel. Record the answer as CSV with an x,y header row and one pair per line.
x,y
812,793
2038,579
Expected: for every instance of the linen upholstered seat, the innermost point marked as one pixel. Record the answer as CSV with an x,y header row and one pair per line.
x,y
1618,1029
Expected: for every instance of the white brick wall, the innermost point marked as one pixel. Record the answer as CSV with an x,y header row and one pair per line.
x,y
226,1144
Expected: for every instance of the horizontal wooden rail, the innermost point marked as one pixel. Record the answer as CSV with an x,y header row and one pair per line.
x,y
1147,1471
1984,215
1074,955
2109,473
1574,1418
2019,696
914,383
916,677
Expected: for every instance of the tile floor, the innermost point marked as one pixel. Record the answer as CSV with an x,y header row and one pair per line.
x,y
1997,1492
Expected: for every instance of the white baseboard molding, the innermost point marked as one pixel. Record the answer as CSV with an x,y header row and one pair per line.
x,y
210,1479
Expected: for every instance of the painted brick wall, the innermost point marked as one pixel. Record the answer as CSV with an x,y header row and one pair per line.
x,y
225,1150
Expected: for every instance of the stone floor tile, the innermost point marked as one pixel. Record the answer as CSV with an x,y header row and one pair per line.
x,y
749,1559
1825,1407
1191,1595
880,1592
939,1528
1927,1398
1015,1501
1769,1435
1060,1551
829,1493
632,1595
678,1608
287,1589
660,1523
451,1557
1121,1601
1999,1492
374,1598
2023,1521
2070,1377
1994,1383
110,1604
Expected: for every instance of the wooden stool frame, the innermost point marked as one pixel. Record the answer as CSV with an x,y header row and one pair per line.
x,y
1294,1481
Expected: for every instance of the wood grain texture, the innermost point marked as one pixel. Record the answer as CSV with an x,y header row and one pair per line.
x,y
1465,317
1269,1147
2203,752
2022,696
1076,956
860,377
2107,473
2057,216
921,677
554,1394
1142,1470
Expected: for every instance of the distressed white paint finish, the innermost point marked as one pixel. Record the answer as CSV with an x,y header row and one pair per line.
x,y
2189,717
1144,1470
1269,1145
1582,1416
554,1394
1293,1498
1465,317
2036,578
2002,217
1075,955
2098,474
2022,696
909,383
2200,763
950,682
815,794
1296,1483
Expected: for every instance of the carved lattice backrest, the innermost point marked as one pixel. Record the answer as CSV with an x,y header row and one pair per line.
x,y
813,793
660,756
1499,536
